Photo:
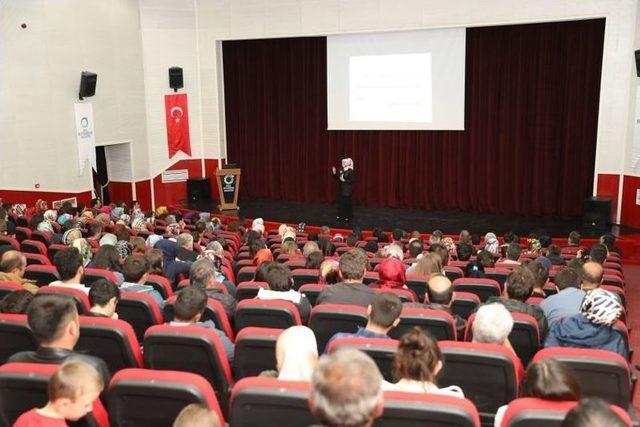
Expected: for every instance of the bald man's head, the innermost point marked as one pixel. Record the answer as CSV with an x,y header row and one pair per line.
x,y
592,273
439,289
13,262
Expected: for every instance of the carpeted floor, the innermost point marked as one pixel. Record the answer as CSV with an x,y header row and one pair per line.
x,y
424,221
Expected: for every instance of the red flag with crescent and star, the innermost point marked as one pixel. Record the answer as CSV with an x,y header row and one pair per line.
x,y
177,115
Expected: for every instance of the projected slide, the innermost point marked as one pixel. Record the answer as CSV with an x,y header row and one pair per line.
x,y
391,88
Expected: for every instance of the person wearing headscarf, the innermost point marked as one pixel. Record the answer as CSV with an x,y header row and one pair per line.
x,y
173,229
124,249
296,354
344,177
139,224
491,244
46,226
20,209
108,239
171,267
258,226
105,210
391,274
70,235
282,229
50,215
85,250
592,327
263,255
62,219
103,218
116,213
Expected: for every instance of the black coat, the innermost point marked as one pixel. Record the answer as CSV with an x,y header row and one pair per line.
x,y
344,187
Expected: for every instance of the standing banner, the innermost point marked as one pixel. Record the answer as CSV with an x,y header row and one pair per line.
x,y
85,135
177,116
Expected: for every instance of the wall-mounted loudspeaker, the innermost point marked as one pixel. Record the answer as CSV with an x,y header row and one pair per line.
x,y
638,62
175,78
87,84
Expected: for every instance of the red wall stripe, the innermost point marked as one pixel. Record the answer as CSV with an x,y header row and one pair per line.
x,y
608,187
630,211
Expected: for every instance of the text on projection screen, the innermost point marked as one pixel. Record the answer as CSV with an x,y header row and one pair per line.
x,y
413,80
395,88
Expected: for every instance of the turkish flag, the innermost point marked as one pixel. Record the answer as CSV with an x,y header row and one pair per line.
x,y
177,115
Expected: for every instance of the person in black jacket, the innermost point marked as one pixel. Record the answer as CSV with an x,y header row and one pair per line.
x,y
344,176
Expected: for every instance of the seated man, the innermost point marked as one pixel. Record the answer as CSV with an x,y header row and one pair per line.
x,y
135,271
567,301
464,251
440,292
280,287
53,319
203,275
554,254
592,327
12,267
513,254
592,274
103,297
383,315
188,310
540,276
518,288
350,290
492,325
70,267
185,248
346,389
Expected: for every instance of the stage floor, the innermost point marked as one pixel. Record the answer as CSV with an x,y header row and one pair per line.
x,y
409,220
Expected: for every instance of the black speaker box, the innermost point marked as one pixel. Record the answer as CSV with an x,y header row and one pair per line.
x,y
87,84
596,214
175,78
638,62
198,189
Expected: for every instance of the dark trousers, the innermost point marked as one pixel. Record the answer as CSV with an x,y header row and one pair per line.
x,y
345,209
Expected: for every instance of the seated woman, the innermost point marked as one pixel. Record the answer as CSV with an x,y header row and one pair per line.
x,y
427,264
280,283
329,272
296,355
108,258
417,364
391,274
314,260
548,379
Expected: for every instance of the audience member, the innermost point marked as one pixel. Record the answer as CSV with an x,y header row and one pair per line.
x,y
513,254
554,254
382,315
351,290
203,275
391,274
440,294
464,251
170,266
567,301
314,260
464,237
435,237
261,256
598,253
310,247
426,265
592,412
346,389
442,252
548,379
135,270
53,319
609,241
189,308
16,302
416,365
329,273
108,258
186,252
518,288
592,274
104,297
491,245
280,283
71,392
486,258
574,238
492,325
475,269
13,265
415,248
68,262
196,415
592,327
296,355
327,248
289,248
540,277
394,251
154,259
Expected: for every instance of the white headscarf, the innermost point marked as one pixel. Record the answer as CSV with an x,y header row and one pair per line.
x,y
258,225
347,163
491,243
296,354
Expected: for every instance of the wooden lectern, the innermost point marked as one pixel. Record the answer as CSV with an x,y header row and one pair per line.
x,y
228,187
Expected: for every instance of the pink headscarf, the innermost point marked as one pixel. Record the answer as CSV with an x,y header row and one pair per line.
x,y
391,274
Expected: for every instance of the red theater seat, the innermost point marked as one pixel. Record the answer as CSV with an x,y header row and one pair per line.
x,y
140,310
192,349
489,374
422,409
464,303
283,403
246,274
23,233
214,311
93,274
33,247
497,274
53,249
438,322
15,335
42,274
405,295
255,351
160,284
9,241
36,259
302,276
112,340
453,273
8,287
249,290
42,236
312,290
328,319
483,288
266,313
381,350
418,284
150,398
80,297
23,386
601,373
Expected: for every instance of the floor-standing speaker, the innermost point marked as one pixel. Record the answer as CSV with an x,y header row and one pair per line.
x,y
198,190
596,214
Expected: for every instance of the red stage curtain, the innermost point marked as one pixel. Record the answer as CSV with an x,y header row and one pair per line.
x,y
531,117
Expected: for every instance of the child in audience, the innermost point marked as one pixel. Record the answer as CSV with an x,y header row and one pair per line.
x,y
196,415
417,364
71,390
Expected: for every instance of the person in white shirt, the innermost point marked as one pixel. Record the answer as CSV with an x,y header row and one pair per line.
x,y
417,364
70,268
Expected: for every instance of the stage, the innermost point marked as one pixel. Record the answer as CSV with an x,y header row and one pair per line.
x,y
366,218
